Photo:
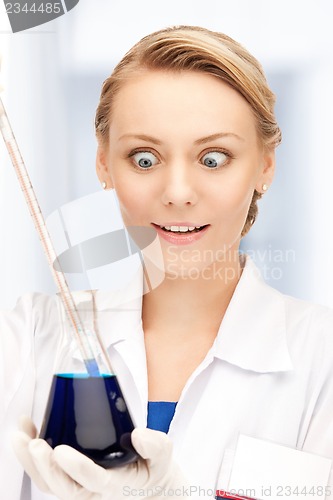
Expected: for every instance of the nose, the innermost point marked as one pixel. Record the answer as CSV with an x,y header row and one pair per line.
x,y
179,186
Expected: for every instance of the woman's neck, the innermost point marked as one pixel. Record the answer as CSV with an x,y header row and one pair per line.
x,y
188,306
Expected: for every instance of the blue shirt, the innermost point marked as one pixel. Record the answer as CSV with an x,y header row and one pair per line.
x,y
160,414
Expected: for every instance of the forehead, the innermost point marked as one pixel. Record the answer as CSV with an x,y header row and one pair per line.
x,y
164,102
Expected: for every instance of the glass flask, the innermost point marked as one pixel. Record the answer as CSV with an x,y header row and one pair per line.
x,y
86,408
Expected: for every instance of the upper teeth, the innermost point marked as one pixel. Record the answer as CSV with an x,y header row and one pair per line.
x,y
181,229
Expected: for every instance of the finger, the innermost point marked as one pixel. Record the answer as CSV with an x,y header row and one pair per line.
x,y
59,483
26,425
81,468
91,476
20,443
154,446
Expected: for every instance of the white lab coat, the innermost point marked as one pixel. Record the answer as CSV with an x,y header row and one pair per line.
x,y
268,375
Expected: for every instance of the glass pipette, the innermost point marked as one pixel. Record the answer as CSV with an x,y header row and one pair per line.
x,y
83,342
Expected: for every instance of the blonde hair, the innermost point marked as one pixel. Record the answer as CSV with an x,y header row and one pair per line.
x,y
192,48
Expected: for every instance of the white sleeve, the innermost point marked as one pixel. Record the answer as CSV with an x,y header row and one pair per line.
x,y
23,333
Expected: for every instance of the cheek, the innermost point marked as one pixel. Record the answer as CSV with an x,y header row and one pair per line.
x,y
131,200
234,199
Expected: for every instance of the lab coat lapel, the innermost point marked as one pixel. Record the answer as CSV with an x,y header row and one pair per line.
x,y
131,369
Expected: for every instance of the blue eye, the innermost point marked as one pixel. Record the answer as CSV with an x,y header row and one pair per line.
x,y
214,159
145,159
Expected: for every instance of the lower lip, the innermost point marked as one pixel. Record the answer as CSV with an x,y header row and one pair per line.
x,y
179,238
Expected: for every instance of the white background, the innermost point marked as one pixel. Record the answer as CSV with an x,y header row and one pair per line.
x,y
52,76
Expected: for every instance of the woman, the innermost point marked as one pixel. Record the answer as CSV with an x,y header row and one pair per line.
x,y
186,136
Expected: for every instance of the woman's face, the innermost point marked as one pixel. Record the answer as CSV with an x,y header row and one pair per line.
x,y
184,153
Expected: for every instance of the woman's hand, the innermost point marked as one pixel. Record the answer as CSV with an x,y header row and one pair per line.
x,y
66,473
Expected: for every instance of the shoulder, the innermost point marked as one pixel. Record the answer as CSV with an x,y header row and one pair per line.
x,y
33,315
309,327
29,308
308,332
306,327
307,314
298,314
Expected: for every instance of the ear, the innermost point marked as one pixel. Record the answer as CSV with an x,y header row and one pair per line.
x,y
102,168
267,170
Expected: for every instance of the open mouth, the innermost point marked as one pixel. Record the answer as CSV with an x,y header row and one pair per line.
x,y
182,229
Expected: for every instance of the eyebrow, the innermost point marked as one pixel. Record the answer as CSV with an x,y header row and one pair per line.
x,y
219,135
142,137
203,140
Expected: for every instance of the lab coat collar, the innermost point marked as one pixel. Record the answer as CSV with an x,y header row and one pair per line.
x,y
252,334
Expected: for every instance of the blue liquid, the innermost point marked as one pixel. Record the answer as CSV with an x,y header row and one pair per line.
x,y
89,414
